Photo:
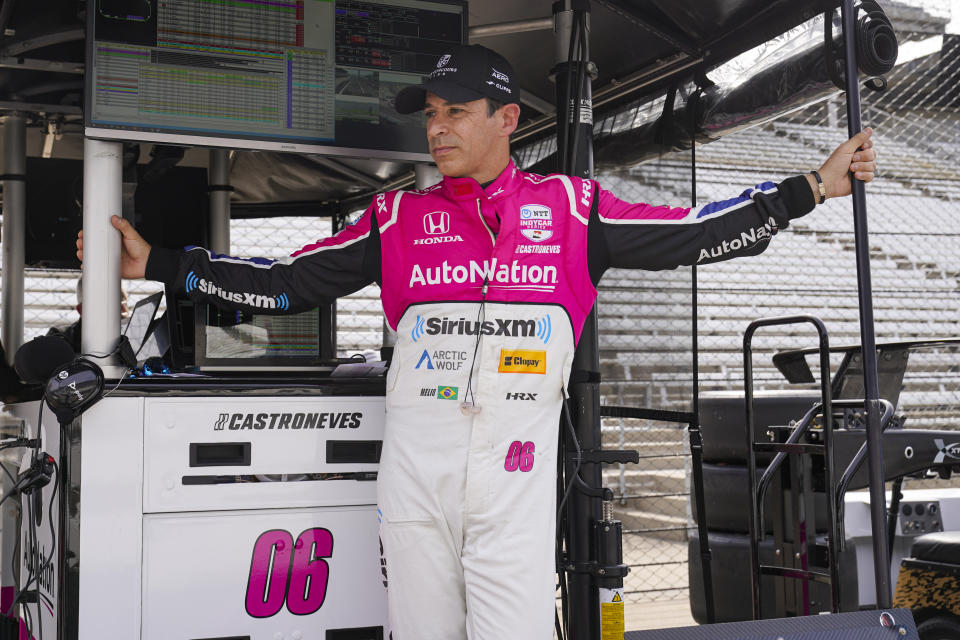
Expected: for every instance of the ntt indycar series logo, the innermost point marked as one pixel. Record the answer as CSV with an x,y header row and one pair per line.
x,y
540,328
252,299
513,275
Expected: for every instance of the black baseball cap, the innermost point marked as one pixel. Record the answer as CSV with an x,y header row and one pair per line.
x,y
463,74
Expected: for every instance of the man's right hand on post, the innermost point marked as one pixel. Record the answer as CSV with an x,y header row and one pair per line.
x,y
134,252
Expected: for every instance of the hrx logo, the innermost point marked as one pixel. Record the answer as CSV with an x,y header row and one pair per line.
x,y
522,396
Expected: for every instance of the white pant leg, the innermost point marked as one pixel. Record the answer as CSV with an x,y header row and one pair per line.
x,y
425,593
509,559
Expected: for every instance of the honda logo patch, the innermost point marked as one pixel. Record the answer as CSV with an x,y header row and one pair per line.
x,y
436,223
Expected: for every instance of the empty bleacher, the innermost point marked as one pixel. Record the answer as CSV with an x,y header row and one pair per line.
x,y
645,318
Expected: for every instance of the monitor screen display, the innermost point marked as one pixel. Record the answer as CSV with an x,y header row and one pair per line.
x,y
316,76
227,338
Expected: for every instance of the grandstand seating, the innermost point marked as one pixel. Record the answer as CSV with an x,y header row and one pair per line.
x,y
645,317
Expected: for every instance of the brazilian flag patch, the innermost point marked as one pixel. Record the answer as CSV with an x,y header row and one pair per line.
x,y
447,393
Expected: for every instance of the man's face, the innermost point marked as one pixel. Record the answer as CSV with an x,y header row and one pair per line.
x,y
464,140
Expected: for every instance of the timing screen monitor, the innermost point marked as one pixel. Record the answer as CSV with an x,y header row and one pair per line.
x,y
313,76
226,339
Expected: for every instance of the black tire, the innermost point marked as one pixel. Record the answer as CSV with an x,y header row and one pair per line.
x,y
727,499
942,628
723,421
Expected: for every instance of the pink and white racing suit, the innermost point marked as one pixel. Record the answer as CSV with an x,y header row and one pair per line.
x,y
488,289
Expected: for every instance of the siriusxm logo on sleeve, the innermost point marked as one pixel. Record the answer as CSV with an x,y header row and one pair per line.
x,y
541,328
195,283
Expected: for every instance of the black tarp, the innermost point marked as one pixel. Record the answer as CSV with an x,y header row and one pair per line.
x,y
639,46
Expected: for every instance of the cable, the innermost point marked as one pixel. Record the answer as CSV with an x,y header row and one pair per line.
x,y
123,376
38,568
565,163
13,491
874,38
559,541
470,405
563,501
33,542
39,562
576,444
481,317
32,577
580,27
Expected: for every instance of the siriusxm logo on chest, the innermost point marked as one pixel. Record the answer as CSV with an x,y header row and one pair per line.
x,y
195,283
535,276
277,421
540,328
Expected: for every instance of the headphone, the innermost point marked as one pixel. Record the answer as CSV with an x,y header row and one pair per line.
x,y
72,384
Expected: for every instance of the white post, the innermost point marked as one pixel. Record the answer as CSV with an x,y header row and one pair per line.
x,y
218,176
427,174
102,198
14,230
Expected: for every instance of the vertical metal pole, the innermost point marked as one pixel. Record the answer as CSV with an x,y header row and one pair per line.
x,y
218,178
868,343
575,156
102,198
427,174
693,429
14,230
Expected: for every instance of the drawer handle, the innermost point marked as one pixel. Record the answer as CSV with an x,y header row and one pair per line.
x,y
353,451
219,454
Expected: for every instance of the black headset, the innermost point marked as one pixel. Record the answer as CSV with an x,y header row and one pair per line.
x,y
72,384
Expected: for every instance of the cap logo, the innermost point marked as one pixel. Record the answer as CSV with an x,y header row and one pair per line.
x,y
444,59
502,77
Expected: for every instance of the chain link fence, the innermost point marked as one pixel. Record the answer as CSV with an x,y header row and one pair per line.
x,y
646,322
646,319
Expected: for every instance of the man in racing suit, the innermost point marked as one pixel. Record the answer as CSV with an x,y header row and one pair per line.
x,y
487,277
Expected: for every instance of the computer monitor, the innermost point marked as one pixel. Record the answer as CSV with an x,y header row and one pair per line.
x,y
229,340
139,325
314,76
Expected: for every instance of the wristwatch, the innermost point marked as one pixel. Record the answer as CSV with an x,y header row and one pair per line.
x,y
820,187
